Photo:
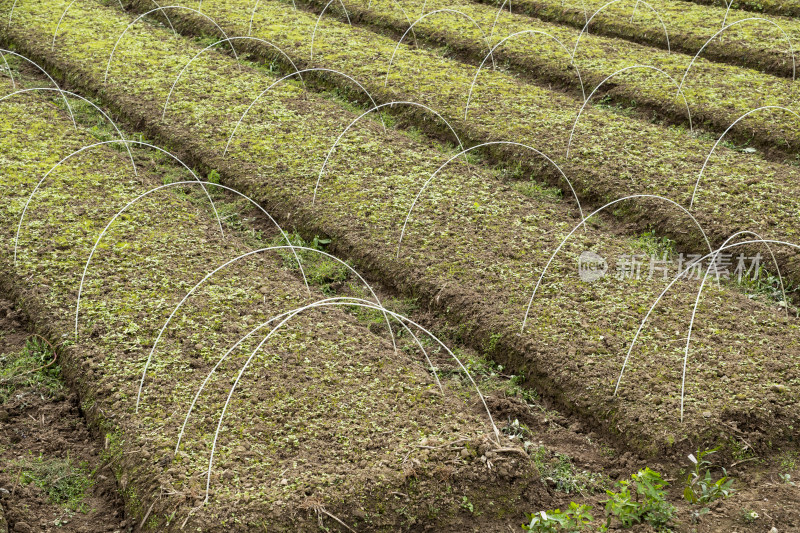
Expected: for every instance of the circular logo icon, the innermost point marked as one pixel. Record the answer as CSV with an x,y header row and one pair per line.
x,y
591,266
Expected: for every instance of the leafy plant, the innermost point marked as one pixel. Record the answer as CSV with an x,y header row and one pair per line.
x,y
214,177
561,472
700,486
320,271
646,504
467,505
574,519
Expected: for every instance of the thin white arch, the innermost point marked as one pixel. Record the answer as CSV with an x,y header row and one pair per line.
x,y
700,176
58,88
55,33
10,73
674,280
314,33
228,39
236,260
697,304
263,325
11,14
165,186
497,17
791,48
95,145
475,78
583,107
119,132
727,10
298,73
586,26
564,241
365,113
294,313
711,254
162,9
166,17
411,28
408,215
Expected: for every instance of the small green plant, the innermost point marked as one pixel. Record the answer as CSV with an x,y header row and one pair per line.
x,y
749,516
214,177
646,504
655,246
700,486
64,482
321,271
467,505
562,474
34,366
573,519
538,190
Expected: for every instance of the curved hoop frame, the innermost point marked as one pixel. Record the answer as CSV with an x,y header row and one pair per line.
x,y
618,200
532,32
162,9
700,176
408,215
583,107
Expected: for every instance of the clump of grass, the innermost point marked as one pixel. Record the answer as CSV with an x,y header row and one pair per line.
x,y
766,284
560,471
322,272
538,190
32,367
655,246
65,482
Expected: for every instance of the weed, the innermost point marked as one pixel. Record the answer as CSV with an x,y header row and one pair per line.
x,y
64,482
739,450
749,516
561,472
647,504
653,245
573,519
538,190
788,461
764,283
467,505
514,430
700,487
320,271
30,368
606,103
516,388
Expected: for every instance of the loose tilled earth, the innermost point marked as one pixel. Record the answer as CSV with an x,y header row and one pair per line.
x,y
186,339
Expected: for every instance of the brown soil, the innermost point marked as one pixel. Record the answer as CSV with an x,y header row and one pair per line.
x,y
36,422
760,489
639,425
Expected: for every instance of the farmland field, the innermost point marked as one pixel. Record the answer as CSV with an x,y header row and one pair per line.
x,y
400,265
